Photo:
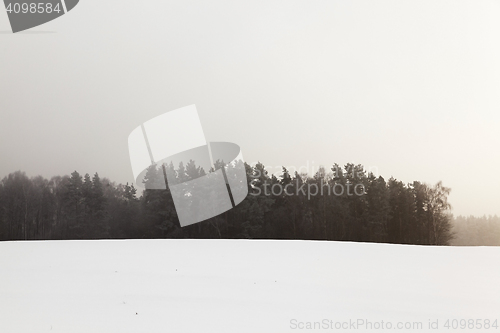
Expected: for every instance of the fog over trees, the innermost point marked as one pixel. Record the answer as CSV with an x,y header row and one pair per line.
x,y
472,230
80,206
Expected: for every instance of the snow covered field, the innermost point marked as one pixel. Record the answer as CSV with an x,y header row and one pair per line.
x,y
241,286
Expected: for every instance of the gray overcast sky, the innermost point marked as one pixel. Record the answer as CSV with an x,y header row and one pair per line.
x,y
409,87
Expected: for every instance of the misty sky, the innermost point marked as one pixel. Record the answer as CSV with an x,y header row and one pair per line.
x,y
411,88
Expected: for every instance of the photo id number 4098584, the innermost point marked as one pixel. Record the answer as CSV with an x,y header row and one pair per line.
x,y
471,324
33,8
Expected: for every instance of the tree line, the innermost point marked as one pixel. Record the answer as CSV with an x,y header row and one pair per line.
x,y
85,207
471,230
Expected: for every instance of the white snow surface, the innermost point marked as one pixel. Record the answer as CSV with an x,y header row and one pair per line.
x,y
240,286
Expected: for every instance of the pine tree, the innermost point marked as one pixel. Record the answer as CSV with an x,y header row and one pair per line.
x,y
73,207
87,205
377,197
101,228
